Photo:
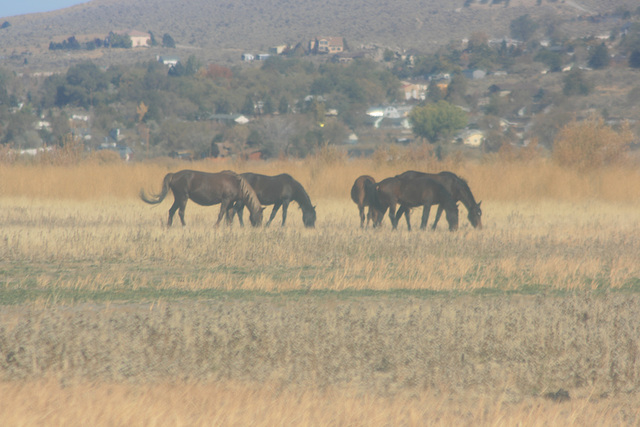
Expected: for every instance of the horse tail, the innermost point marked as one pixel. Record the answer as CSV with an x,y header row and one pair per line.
x,y
371,195
154,199
249,195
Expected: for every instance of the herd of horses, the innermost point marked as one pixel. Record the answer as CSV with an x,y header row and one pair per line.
x,y
233,192
413,189
397,195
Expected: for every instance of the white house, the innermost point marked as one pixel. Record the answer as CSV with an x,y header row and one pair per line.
x,y
170,61
471,138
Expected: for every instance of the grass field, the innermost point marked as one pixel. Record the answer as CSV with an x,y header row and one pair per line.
x,y
108,317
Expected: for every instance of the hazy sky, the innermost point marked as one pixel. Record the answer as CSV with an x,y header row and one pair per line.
x,y
20,7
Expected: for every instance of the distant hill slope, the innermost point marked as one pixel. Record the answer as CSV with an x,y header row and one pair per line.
x,y
216,27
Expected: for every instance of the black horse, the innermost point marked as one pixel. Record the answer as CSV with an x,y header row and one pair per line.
x,y
458,188
278,191
359,197
410,193
207,189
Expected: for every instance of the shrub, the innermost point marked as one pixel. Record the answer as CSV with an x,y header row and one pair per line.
x,y
591,144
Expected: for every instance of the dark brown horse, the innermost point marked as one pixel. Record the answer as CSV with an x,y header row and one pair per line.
x,y
359,197
411,193
458,188
207,189
279,190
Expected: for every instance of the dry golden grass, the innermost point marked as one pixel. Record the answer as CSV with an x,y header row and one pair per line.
x,y
240,404
318,361
108,317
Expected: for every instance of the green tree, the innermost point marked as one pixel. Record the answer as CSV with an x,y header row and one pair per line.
x,y
575,83
437,121
167,41
599,57
248,108
153,41
268,107
84,86
634,59
553,60
523,28
434,93
120,40
457,88
283,105
192,66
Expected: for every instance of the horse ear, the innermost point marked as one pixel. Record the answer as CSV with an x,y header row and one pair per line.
x,y
479,203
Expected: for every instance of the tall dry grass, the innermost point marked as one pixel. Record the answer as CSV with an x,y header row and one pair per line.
x,y
330,175
241,404
312,361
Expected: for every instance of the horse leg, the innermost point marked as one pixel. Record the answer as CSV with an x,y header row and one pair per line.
x,y
425,217
285,207
224,205
172,212
407,214
393,217
438,214
239,208
273,212
370,216
179,204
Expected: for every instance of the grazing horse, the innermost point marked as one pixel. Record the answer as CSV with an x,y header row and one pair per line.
x,y
278,191
460,191
425,192
359,197
207,189
410,193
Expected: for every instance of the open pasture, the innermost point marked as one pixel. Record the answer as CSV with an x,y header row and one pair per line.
x,y
102,303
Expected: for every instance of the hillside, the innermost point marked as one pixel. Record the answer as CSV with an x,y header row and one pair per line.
x,y
221,30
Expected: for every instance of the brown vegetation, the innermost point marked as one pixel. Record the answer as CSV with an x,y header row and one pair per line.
x,y
591,144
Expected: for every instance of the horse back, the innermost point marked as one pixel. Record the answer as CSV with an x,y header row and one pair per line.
x,y
423,190
271,189
206,188
358,194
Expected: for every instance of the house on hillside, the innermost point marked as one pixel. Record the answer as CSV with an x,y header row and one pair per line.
x,y
474,74
417,91
389,117
278,50
470,138
138,38
170,61
347,57
229,118
327,45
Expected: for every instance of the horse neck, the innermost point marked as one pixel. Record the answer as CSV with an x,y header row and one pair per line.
x,y
466,197
301,197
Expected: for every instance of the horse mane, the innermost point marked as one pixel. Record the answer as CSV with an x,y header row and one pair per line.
x,y
464,186
249,195
300,194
